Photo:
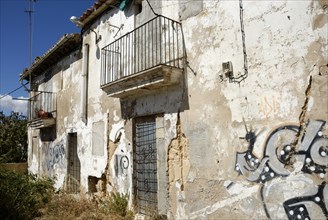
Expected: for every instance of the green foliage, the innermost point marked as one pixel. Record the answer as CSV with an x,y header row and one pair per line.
x,y
13,138
22,195
117,204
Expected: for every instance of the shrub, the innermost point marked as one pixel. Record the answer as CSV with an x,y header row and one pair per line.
x,y
23,195
13,138
116,205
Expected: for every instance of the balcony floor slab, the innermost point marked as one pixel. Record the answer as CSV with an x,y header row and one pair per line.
x,y
144,82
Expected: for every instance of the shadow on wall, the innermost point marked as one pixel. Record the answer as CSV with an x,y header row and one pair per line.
x,y
173,99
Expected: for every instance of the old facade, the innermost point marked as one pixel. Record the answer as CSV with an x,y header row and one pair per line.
x,y
195,109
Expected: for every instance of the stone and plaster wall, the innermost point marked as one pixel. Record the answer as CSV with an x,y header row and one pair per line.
x,y
258,148
253,149
108,161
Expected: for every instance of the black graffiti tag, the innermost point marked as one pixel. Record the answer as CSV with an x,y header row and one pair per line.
x,y
311,152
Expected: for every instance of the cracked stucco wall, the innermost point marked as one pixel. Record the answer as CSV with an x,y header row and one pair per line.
x,y
283,95
286,86
49,157
178,166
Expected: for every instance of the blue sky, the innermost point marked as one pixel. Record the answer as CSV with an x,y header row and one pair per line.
x,y
50,23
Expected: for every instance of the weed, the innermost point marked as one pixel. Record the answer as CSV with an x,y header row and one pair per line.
x,y
25,196
78,206
118,203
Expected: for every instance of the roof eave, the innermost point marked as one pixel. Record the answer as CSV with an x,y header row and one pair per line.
x,y
86,19
65,40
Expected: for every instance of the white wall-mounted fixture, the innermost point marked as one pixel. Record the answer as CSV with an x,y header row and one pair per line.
x,y
114,26
76,21
111,25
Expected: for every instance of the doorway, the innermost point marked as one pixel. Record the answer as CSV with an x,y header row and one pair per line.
x,y
73,165
145,165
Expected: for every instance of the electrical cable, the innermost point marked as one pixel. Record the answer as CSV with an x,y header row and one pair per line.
x,y
242,77
13,91
152,8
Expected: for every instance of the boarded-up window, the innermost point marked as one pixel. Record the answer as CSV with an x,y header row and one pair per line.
x,y
98,138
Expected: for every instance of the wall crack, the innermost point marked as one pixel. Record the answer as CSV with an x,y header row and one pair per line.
x,y
302,125
177,165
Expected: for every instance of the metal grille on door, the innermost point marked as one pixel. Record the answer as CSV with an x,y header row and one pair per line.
x,y
73,166
145,166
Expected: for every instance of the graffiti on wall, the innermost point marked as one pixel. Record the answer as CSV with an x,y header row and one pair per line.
x,y
279,151
54,156
122,163
295,207
269,106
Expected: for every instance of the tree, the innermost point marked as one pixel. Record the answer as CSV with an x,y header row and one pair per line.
x,y
13,138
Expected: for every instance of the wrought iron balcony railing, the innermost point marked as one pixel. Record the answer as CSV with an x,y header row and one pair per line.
x,y
42,106
157,42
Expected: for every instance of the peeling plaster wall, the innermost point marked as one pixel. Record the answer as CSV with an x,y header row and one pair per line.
x,y
49,156
113,168
227,122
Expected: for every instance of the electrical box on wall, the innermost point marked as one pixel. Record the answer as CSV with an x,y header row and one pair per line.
x,y
227,69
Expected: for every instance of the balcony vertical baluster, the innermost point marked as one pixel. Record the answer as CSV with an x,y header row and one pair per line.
x,y
173,36
160,39
125,70
177,35
165,47
138,54
168,27
145,46
128,55
152,43
156,42
103,53
121,51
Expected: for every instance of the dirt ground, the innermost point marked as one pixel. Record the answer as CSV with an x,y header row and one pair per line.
x,y
66,206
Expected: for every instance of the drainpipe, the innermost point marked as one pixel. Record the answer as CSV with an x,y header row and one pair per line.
x,y
84,92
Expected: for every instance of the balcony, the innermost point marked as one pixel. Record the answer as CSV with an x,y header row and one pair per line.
x,y
146,59
42,110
